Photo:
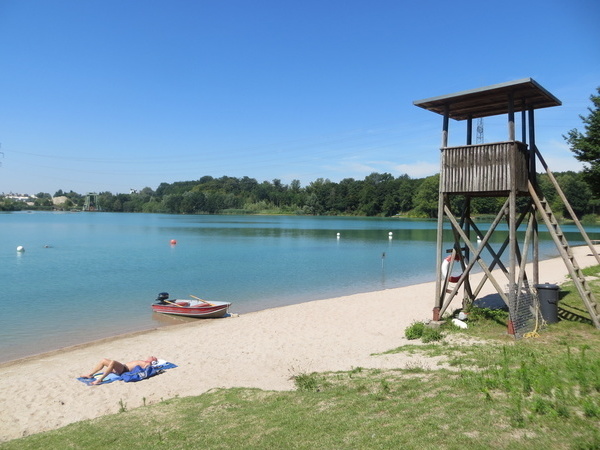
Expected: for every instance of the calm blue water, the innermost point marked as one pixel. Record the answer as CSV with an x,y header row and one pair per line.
x,y
85,276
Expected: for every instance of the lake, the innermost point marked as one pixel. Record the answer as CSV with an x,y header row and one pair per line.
x,y
85,276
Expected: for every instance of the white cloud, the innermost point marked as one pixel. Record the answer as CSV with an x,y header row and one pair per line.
x,y
354,168
419,169
558,157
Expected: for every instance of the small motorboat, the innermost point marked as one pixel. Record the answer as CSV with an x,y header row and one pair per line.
x,y
190,308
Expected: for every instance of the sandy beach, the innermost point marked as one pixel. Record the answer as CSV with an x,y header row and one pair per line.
x,y
260,350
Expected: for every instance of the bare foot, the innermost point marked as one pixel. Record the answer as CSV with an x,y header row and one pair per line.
x,y
97,382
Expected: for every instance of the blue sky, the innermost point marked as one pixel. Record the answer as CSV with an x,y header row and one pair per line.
x,y
112,95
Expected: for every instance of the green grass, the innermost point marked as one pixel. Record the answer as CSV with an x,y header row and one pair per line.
x,y
571,306
418,330
493,392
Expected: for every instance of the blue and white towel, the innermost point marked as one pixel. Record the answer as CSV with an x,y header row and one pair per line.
x,y
136,374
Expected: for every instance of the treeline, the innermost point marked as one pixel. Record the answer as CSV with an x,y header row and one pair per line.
x,y
375,195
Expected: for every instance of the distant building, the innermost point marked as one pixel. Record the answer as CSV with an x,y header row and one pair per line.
x,y
21,197
91,202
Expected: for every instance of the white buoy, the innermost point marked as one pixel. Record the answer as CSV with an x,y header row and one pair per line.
x,y
390,235
20,249
338,235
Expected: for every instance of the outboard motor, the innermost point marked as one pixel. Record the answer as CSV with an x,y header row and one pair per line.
x,y
162,297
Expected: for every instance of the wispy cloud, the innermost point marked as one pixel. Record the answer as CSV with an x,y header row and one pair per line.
x,y
558,156
419,169
358,169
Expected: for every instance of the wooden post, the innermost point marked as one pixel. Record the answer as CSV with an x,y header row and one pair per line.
x,y
467,291
512,228
511,117
533,179
532,168
439,296
512,237
445,126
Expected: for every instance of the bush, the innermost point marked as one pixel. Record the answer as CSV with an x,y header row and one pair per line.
x,y
418,330
431,335
306,382
414,331
481,314
590,219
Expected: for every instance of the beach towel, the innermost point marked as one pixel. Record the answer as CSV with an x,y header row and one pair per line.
x,y
136,374
139,374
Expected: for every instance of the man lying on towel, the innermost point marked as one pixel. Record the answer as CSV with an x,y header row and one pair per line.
x,y
118,368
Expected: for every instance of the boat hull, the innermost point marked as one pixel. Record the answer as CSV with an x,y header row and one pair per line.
x,y
193,309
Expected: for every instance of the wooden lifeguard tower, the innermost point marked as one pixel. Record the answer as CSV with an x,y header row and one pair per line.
x,y
502,170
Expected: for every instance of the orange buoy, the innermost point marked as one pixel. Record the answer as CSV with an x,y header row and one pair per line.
x,y
173,242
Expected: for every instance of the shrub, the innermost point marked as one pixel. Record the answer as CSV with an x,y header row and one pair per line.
x,y
496,315
306,382
414,331
431,335
418,330
590,219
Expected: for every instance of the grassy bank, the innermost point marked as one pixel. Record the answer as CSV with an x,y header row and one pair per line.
x,y
492,392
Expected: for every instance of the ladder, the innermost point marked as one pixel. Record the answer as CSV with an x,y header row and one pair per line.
x,y
567,255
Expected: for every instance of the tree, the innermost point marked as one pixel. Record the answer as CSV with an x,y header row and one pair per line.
x,y
193,202
587,146
577,192
406,192
427,196
43,202
172,202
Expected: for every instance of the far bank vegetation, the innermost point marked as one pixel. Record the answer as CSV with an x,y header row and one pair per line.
x,y
381,195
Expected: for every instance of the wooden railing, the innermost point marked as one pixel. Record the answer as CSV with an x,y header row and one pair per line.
x,y
485,168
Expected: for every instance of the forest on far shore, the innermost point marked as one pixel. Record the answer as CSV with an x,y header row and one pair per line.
x,y
377,194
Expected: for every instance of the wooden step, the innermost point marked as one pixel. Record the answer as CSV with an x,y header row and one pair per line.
x,y
579,280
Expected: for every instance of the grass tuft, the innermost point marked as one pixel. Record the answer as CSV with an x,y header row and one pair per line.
x,y
306,382
414,331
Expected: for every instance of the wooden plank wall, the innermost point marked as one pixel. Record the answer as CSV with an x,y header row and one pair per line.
x,y
497,167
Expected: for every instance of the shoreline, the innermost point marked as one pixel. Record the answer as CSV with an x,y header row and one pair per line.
x,y
184,321
262,349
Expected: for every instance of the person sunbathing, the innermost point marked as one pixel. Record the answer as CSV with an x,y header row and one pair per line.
x,y
113,366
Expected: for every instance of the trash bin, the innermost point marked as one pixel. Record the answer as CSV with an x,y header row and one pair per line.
x,y
548,296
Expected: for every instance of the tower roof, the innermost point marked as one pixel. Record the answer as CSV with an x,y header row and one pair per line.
x,y
491,100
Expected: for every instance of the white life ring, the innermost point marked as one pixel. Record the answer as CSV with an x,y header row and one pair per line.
x,y
446,264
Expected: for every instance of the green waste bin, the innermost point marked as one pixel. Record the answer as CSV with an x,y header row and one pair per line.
x,y
548,296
